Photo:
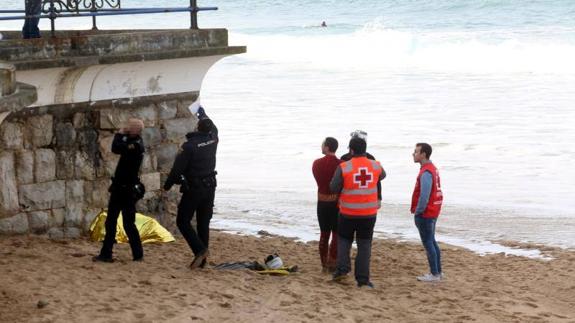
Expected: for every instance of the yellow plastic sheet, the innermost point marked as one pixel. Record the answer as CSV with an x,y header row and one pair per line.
x,y
283,271
150,230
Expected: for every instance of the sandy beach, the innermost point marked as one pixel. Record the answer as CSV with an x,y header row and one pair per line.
x,y
49,281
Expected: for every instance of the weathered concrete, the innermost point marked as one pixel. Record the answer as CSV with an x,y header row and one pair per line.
x,y
39,221
11,136
88,66
83,48
7,79
25,166
43,196
17,224
13,96
8,188
44,165
178,128
126,81
68,178
41,127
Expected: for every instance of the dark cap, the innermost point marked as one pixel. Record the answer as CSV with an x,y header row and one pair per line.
x,y
205,125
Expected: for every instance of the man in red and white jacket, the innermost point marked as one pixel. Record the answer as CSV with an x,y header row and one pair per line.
x,y
356,183
426,204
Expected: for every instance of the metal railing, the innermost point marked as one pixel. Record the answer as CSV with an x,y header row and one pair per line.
x,y
53,9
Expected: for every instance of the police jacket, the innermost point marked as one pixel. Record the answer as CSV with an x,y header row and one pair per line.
x,y
196,161
131,151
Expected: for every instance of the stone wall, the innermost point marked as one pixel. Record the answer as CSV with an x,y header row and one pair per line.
x,y
56,163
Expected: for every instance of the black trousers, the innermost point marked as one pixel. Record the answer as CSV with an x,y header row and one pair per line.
x,y
327,214
30,28
121,201
362,229
200,202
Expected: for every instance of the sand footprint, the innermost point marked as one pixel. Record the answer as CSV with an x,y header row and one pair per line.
x,y
531,304
139,315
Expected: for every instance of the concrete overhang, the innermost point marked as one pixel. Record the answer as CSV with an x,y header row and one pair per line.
x,y
88,66
81,48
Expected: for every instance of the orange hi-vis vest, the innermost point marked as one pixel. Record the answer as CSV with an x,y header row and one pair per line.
x,y
359,194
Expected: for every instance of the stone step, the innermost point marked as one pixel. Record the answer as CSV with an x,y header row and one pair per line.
x,y
7,79
14,96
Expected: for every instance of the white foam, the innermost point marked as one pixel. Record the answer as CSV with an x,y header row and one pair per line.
x,y
306,230
377,47
479,247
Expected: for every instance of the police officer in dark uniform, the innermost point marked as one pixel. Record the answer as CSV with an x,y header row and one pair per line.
x,y
126,190
194,170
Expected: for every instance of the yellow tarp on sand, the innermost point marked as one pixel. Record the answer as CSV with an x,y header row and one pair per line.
x,y
150,230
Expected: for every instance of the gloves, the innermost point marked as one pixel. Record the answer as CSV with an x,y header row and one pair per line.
x,y
195,107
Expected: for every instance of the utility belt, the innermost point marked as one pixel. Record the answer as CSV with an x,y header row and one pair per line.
x,y
135,190
198,183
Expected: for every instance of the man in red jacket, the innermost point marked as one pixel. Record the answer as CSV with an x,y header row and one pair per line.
x,y
327,210
426,204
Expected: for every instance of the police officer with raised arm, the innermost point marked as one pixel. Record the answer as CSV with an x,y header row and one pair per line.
x,y
126,190
194,170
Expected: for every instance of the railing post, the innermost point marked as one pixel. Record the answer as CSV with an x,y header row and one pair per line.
x,y
193,14
93,9
52,16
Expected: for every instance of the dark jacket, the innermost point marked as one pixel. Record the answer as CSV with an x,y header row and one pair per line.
x,y
197,159
131,151
348,156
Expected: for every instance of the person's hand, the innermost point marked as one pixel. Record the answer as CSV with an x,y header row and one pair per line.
x,y
195,107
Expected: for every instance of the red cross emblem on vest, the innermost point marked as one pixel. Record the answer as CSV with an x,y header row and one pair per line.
x,y
363,177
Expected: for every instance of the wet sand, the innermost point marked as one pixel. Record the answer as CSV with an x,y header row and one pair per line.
x,y
48,281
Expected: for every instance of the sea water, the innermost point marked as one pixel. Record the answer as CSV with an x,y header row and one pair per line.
x,y
490,84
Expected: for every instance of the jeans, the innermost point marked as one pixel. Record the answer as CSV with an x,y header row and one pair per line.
x,y
200,202
362,228
30,28
426,229
121,201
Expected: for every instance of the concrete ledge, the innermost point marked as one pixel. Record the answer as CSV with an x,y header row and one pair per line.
x,y
80,48
79,61
116,105
23,96
13,96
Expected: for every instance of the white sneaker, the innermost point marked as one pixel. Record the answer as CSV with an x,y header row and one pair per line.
x,y
429,278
